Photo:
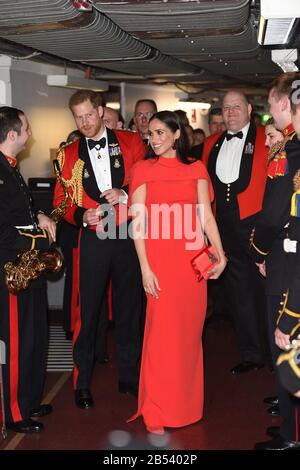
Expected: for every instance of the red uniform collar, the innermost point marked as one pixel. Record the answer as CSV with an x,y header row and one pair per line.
x,y
288,130
11,160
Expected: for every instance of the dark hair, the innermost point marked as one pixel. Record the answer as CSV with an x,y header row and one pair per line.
x,y
74,135
172,121
9,121
182,116
270,122
83,95
199,131
214,112
146,100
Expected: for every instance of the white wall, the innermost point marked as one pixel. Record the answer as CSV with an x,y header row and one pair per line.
x,y
48,115
50,118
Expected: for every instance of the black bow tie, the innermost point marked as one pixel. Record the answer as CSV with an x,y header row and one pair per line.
x,y
92,143
239,135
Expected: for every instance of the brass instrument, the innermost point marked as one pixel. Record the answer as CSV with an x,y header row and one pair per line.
x,y
28,267
30,264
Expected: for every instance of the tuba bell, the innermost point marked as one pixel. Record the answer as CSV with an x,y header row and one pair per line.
x,y
30,264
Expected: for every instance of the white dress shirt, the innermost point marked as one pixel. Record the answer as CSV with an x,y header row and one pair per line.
x,y
100,161
230,156
101,166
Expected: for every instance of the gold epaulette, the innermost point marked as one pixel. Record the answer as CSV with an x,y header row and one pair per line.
x,y
75,183
278,147
61,156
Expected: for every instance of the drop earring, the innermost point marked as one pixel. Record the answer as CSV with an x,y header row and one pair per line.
x,y
174,145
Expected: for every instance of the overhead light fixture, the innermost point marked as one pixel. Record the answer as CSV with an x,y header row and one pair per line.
x,y
195,104
113,105
277,19
77,83
285,59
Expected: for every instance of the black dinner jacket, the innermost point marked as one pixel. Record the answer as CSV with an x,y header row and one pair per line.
x,y
246,161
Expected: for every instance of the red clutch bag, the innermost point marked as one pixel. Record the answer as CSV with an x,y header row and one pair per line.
x,y
203,262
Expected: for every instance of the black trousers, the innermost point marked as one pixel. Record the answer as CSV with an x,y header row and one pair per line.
x,y
247,306
68,240
288,404
244,286
102,330
24,330
100,259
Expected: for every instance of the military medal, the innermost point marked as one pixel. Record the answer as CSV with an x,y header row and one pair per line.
x,y
98,150
116,163
295,201
249,148
86,174
114,150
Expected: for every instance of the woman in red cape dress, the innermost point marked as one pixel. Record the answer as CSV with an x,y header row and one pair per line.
x,y
165,190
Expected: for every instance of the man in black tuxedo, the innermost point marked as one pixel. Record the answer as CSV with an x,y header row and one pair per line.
x,y
96,170
236,162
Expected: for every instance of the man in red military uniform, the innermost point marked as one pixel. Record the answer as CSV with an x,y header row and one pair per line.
x,y
237,164
95,169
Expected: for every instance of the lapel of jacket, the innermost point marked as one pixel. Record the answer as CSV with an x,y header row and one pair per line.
x,y
212,161
247,159
89,182
116,160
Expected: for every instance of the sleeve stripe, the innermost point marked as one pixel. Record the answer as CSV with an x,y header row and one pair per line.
x,y
258,250
291,313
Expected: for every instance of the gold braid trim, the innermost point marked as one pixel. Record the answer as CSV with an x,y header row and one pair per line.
x,y
289,357
278,148
258,250
61,157
291,313
283,303
33,237
295,329
75,183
